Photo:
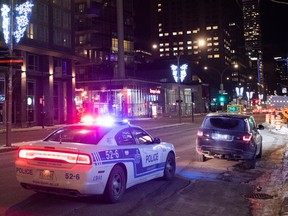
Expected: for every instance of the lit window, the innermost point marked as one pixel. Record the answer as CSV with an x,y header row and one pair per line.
x,y
181,43
216,43
161,50
159,5
161,35
208,28
195,47
166,34
215,27
174,33
161,55
195,52
216,56
189,47
160,29
175,48
209,39
166,44
188,32
159,24
215,38
209,44
210,56
167,49
180,33
181,48
159,9
189,42
161,44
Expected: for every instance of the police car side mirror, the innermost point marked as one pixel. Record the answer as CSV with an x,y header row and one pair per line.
x,y
157,140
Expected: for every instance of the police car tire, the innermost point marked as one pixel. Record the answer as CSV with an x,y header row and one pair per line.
x,y
170,167
116,185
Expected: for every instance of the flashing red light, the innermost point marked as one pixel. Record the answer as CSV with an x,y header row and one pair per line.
x,y
69,157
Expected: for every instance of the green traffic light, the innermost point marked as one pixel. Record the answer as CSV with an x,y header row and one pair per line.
x,y
222,99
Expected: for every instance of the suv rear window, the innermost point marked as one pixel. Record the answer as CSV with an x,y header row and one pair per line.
x,y
226,123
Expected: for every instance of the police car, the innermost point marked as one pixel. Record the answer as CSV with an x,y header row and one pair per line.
x,y
94,159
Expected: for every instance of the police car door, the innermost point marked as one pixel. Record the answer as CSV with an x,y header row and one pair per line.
x,y
151,153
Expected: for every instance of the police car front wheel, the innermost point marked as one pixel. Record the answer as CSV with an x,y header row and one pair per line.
x,y
170,167
116,185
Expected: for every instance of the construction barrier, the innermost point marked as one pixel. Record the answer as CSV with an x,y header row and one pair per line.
x,y
267,119
272,120
278,122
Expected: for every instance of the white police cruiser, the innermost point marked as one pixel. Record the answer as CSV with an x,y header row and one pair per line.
x,y
93,159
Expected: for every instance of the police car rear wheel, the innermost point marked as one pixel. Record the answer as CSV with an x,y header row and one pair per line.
x,y
170,167
116,185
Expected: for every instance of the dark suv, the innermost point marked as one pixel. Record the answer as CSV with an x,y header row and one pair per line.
x,y
229,136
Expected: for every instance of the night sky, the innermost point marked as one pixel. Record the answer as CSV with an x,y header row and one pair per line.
x,y
274,18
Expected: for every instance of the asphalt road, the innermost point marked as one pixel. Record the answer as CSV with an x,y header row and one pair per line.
x,y
216,187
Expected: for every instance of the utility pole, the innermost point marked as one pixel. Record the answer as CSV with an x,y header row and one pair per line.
x,y
10,76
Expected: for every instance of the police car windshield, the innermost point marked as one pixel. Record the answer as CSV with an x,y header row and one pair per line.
x,y
79,134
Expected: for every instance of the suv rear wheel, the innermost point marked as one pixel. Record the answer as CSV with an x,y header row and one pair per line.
x,y
200,157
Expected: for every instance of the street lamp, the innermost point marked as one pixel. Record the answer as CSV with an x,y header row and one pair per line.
x,y
13,31
221,73
179,74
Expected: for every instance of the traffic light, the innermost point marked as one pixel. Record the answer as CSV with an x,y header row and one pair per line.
x,y
222,98
255,101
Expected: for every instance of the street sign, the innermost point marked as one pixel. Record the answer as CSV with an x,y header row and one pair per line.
x,y
234,108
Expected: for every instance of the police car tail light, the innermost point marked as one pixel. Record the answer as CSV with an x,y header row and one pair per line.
x,y
68,157
246,138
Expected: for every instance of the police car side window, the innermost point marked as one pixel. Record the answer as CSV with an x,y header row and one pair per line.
x,y
141,136
124,137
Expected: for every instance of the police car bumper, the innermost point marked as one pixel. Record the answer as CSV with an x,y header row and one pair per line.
x,y
80,183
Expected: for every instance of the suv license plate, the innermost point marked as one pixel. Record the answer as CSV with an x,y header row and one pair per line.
x,y
221,137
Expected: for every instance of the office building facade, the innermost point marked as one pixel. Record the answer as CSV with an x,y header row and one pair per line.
x,y
253,46
182,24
43,87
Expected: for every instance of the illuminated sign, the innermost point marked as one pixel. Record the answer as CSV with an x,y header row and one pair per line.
x,y
154,91
183,68
22,15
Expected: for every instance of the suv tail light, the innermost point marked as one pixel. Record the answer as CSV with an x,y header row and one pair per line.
x,y
200,133
247,138
68,157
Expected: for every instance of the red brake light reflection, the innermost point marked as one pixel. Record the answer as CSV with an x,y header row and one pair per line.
x,y
247,138
69,157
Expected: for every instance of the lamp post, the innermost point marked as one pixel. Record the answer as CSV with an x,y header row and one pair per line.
x,y
221,73
13,32
179,73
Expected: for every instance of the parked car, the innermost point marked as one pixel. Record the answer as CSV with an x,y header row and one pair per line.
x,y
94,159
229,136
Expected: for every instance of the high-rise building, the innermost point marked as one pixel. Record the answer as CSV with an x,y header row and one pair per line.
x,y
253,44
43,88
182,24
96,38
281,75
